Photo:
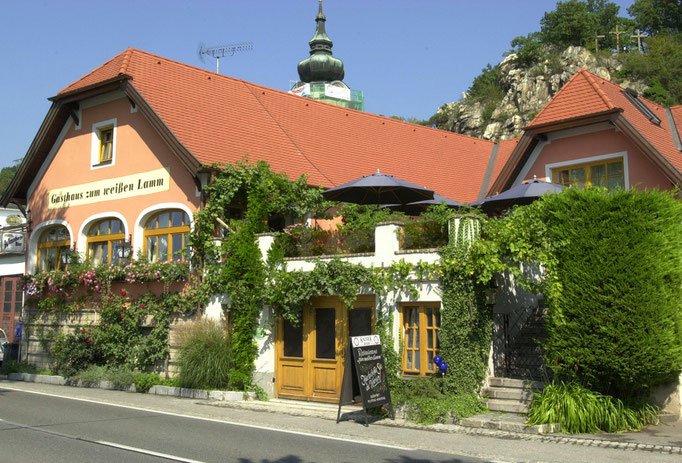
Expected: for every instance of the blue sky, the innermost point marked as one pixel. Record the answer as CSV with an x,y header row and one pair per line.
x,y
408,56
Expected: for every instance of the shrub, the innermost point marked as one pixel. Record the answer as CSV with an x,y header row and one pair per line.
x,y
424,234
425,401
91,375
579,410
71,353
205,356
144,381
121,377
17,367
615,302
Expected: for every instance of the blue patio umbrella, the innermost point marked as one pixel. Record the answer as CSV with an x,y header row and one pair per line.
x,y
418,207
378,188
520,195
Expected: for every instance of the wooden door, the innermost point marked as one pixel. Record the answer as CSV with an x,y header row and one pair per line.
x,y
11,295
310,356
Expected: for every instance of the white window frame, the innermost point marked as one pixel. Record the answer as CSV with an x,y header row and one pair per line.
x,y
574,162
95,147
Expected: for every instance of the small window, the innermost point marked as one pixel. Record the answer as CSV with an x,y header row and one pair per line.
x,y
103,148
106,144
609,174
421,338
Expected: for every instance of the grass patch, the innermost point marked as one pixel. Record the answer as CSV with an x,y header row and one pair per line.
x,y
579,410
205,355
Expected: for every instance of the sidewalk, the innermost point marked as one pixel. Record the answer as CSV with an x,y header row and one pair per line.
x,y
660,439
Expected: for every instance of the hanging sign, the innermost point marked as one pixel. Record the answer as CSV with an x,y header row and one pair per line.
x,y
143,183
12,242
365,355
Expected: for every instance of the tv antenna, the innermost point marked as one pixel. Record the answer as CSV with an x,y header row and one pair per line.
x,y
221,52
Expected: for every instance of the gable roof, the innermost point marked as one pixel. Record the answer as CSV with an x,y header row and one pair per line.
x,y
587,98
222,119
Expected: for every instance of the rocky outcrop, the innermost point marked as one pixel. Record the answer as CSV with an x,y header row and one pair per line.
x,y
528,89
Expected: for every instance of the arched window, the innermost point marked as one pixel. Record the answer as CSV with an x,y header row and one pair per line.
x,y
53,242
103,238
165,236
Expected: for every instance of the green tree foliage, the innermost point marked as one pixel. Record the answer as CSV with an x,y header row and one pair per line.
x,y
613,282
488,85
529,49
242,275
657,16
660,68
6,176
569,24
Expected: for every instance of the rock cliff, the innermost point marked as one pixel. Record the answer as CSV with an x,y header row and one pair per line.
x,y
526,90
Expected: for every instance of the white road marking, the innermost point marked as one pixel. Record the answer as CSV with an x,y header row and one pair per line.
x,y
147,452
101,442
215,420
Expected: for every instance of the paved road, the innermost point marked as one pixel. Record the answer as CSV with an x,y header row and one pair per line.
x,y
224,433
36,428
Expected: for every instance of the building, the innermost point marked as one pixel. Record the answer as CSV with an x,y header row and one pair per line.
x,y
121,159
12,267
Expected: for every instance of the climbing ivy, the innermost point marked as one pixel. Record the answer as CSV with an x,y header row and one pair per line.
x,y
466,319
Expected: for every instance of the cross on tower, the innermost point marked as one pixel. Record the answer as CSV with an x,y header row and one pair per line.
x,y
596,41
639,36
617,33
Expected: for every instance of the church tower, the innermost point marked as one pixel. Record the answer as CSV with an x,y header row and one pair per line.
x,y
321,75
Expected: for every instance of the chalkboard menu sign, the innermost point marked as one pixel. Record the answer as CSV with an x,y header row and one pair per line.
x,y
365,355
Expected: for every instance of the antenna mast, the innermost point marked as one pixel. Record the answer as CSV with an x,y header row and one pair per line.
x,y
221,52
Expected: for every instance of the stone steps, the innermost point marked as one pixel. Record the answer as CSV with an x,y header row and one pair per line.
x,y
510,395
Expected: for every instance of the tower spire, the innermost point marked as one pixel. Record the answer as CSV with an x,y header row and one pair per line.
x,y
320,66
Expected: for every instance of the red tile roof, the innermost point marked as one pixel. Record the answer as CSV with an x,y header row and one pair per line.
x,y
579,96
587,94
222,119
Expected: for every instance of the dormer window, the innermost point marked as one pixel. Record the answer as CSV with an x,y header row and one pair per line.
x,y
633,97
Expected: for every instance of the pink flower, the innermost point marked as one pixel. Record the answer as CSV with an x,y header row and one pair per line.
x,y
142,306
122,317
123,292
153,325
89,340
82,330
108,299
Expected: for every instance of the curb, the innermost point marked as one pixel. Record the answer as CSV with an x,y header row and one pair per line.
x,y
182,392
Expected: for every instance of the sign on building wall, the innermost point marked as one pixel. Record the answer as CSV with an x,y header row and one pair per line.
x,y
337,92
144,183
12,242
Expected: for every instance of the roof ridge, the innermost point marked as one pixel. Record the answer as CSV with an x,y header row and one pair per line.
x,y
621,88
126,60
590,78
308,100
363,113
544,108
81,78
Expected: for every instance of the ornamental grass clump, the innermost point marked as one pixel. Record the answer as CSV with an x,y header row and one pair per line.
x,y
205,355
579,410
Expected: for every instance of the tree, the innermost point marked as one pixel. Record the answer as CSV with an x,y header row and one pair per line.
x,y
569,24
660,67
656,16
6,176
